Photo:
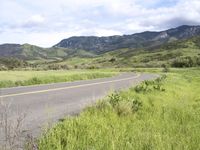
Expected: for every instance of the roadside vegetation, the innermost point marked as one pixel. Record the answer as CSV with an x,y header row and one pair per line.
x,y
23,78
160,114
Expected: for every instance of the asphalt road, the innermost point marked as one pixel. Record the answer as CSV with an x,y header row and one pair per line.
x,y
48,103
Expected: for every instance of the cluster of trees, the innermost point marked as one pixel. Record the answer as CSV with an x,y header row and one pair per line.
x,y
186,62
11,63
57,67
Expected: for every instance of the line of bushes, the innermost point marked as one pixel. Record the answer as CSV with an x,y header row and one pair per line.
x,y
188,61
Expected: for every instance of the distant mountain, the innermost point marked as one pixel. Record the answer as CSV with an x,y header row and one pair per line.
x,y
92,46
7,50
139,40
32,52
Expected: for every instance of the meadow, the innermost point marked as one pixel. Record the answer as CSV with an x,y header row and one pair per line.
x,y
163,114
23,78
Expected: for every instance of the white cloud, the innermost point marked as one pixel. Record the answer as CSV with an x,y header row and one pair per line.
x,y
36,19
46,22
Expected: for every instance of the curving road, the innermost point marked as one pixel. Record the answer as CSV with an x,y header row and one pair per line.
x,y
44,103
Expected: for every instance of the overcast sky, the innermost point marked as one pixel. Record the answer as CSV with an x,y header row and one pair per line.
x,y
46,22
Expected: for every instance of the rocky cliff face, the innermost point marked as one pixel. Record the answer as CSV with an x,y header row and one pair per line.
x,y
138,40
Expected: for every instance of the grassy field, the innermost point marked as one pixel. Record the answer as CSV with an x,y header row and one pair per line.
x,y
22,78
156,115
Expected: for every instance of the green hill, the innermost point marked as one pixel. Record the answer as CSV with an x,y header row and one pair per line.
x,y
183,53
34,53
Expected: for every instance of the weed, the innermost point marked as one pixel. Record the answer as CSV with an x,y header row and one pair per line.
x,y
149,86
11,129
136,105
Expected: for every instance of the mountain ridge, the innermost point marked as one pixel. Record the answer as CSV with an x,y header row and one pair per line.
x,y
137,40
92,46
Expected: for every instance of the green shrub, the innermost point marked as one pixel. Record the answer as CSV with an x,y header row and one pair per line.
x,y
92,67
123,105
136,105
149,86
188,61
115,98
112,60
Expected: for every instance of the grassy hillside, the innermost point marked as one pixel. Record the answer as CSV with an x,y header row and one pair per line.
x,y
32,53
161,114
185,53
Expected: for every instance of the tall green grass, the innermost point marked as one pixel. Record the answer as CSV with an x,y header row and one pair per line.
x,y
156,115
22,78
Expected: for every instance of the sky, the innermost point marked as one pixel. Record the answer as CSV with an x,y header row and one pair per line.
x,y
46,22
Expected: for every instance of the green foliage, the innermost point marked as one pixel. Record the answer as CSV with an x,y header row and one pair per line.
x,y
92,67
57,67
6,83
188,61
122,105
11,63
136,105
114,99
112,60
163,119
149,86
